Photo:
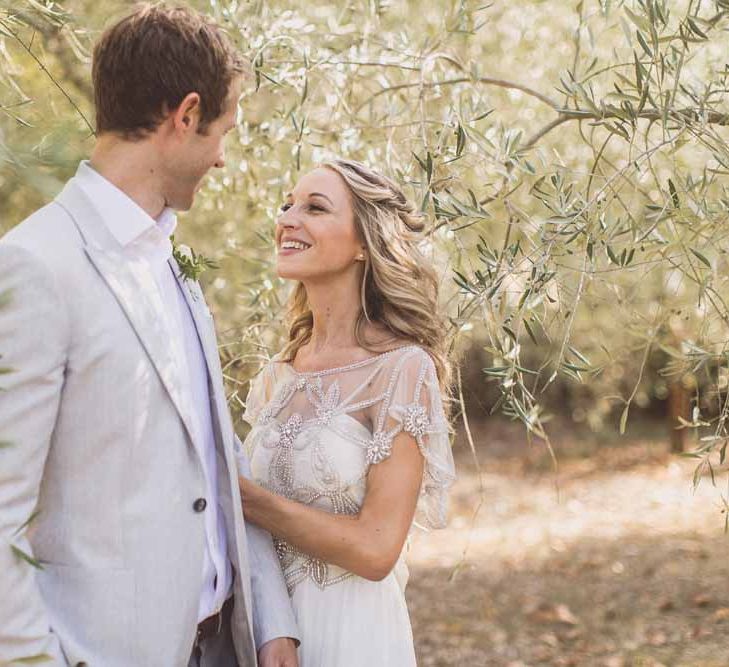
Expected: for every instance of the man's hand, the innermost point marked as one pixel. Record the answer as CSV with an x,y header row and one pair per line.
x,y
279,652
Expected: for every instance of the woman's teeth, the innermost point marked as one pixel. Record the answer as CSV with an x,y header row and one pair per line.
x,y
294,245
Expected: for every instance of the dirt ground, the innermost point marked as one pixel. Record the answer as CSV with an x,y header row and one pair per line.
x,y
612,562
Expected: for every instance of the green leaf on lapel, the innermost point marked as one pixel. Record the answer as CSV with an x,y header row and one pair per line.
x,y
192,265
24,556
27,522
34,659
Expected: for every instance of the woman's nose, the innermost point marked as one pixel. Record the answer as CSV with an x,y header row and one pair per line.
x,y
287,219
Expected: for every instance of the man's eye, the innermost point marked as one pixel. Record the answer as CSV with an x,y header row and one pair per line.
x,y
285,207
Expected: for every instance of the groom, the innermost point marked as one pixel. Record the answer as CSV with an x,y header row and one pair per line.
x,y
115,411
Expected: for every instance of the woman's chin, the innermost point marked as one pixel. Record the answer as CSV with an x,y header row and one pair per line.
x,y
283,270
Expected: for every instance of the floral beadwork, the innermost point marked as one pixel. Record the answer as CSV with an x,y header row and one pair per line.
x,y
291,429
416,421
281,472
266,414
379,448
297,566
325,403
324,415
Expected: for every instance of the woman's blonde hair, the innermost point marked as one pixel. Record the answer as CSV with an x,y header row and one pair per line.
x,y
399,286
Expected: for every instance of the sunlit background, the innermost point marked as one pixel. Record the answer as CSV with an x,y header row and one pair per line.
x,y
572,159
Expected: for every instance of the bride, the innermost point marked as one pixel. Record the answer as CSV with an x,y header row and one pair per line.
x,y
350,441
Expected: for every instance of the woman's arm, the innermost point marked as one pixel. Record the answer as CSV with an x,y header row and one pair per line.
x,y
368,543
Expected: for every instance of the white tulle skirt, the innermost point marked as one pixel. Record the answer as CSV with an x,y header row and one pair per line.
x,y
354,623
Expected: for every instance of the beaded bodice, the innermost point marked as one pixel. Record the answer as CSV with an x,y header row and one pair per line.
x,y
316,434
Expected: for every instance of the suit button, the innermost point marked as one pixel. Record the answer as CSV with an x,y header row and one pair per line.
x,y
200,504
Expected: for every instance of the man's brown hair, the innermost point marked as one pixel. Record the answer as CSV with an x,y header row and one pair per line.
x,y
145,65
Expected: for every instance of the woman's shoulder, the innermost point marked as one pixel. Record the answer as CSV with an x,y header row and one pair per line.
x,y
409,352
384,343
406,362
271,370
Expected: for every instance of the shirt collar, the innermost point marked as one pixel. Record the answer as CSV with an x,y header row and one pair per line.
x,y
125,219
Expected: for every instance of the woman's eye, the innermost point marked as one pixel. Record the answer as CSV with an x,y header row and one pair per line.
x,y
314,208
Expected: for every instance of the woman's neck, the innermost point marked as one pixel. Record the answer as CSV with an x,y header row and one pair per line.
x,y
335,307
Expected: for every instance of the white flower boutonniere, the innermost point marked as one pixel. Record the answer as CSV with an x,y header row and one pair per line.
x,y
191,264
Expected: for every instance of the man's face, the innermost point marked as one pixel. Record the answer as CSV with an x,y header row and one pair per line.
x,y
194,154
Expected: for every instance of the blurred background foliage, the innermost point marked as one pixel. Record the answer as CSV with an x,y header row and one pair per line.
x,y
571,156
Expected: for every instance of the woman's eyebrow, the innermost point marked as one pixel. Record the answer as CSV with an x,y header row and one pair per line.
x,y
319,194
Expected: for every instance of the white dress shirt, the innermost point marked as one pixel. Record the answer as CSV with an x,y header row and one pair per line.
x,y
143,237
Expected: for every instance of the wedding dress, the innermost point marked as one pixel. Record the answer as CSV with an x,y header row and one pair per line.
x,y
314,437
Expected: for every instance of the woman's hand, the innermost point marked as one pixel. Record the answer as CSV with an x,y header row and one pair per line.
x,y
254,499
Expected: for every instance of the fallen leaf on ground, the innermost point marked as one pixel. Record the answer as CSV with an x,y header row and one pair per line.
x,y
666,605
702,600
721,614
548,613
564,615
550,639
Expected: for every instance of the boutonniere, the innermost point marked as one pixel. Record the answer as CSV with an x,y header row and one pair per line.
x,y
191,264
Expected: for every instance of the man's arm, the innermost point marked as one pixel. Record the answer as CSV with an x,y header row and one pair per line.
x,y
33,331
273,616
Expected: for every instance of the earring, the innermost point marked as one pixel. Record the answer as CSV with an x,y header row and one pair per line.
x,y
361,257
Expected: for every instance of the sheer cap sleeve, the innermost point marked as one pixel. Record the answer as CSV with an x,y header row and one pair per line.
x,y
413,404
259,394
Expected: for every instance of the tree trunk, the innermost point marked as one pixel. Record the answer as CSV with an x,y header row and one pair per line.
x,y
679,405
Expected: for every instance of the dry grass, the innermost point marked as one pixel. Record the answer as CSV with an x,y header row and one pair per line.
x,y
624,567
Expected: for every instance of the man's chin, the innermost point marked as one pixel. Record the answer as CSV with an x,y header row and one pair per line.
x,y
182,203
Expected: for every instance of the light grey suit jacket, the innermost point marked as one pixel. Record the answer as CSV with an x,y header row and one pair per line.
x,y
101,443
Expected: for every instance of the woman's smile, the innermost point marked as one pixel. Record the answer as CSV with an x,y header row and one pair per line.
x,y
292,247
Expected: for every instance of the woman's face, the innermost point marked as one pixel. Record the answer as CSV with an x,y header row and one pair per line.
x,y
315,234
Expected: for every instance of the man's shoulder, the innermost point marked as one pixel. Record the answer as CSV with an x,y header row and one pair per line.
x,y
48,235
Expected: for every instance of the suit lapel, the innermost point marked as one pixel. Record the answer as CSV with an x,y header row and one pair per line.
x,y
206,332
133,285
230,498
201,317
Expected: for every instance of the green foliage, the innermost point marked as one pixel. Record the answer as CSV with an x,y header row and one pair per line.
x,y
572,159
26,557
191,264
35,659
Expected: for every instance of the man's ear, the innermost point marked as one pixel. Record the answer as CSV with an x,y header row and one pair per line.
x,y
187,116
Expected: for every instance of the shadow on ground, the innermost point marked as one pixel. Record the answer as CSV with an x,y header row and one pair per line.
x,y
625,566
